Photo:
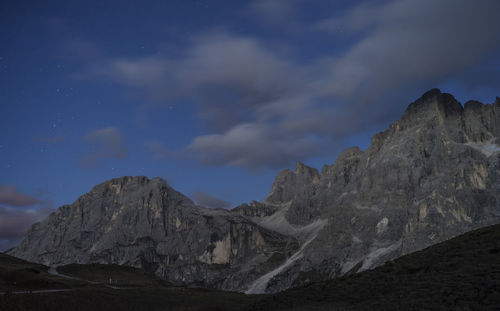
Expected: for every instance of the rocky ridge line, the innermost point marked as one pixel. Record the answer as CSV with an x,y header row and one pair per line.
x,y
432,175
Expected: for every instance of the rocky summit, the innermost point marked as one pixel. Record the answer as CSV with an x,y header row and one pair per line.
x,y
145,223
432,175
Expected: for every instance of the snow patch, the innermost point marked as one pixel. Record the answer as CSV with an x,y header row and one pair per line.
x,y
376,253
278,222
348,266
259,286
363,207
356,240
382,225
488,148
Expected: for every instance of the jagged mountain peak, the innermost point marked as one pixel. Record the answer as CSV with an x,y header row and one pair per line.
x,y
430,94
132,180
128,182
473,105
428,177
142,222
127,188
430,105
349,153
287,183
342,169
433,97
302,169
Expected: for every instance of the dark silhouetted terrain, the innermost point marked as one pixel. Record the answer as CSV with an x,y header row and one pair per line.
x,y
102,287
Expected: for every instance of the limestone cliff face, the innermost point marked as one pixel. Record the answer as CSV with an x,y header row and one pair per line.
x,y
432,175
296,187
145,223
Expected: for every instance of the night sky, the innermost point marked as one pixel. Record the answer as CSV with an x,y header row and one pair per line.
x,y
216,97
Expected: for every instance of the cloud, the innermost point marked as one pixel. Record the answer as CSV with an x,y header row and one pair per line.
x,y
250,145
10,196
105,143
481,77
241,89
411,42
266,108
356,19
274,12
228,76
14,224
207,200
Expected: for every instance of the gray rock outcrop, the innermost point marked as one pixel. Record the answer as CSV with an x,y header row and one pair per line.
x,y
432,175
145,223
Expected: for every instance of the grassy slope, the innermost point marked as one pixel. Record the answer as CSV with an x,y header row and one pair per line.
x,y
17,274
139,290
121,276
153,299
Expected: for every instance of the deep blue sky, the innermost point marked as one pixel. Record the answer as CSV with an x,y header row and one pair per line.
x,y
216,96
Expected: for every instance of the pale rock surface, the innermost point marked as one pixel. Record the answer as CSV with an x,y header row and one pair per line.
x,y
144,223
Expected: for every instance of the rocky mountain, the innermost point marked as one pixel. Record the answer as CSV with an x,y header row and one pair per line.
x,y
458,274
432,175
145,223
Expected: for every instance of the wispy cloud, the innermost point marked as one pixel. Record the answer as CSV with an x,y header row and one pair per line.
x,y
104,143
18,211
265,108
9,195
247,94
207,200
411,42
15,222
281,13
251,145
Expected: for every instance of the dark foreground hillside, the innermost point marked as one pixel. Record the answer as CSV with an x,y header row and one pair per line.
x,y
98,287
459,274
